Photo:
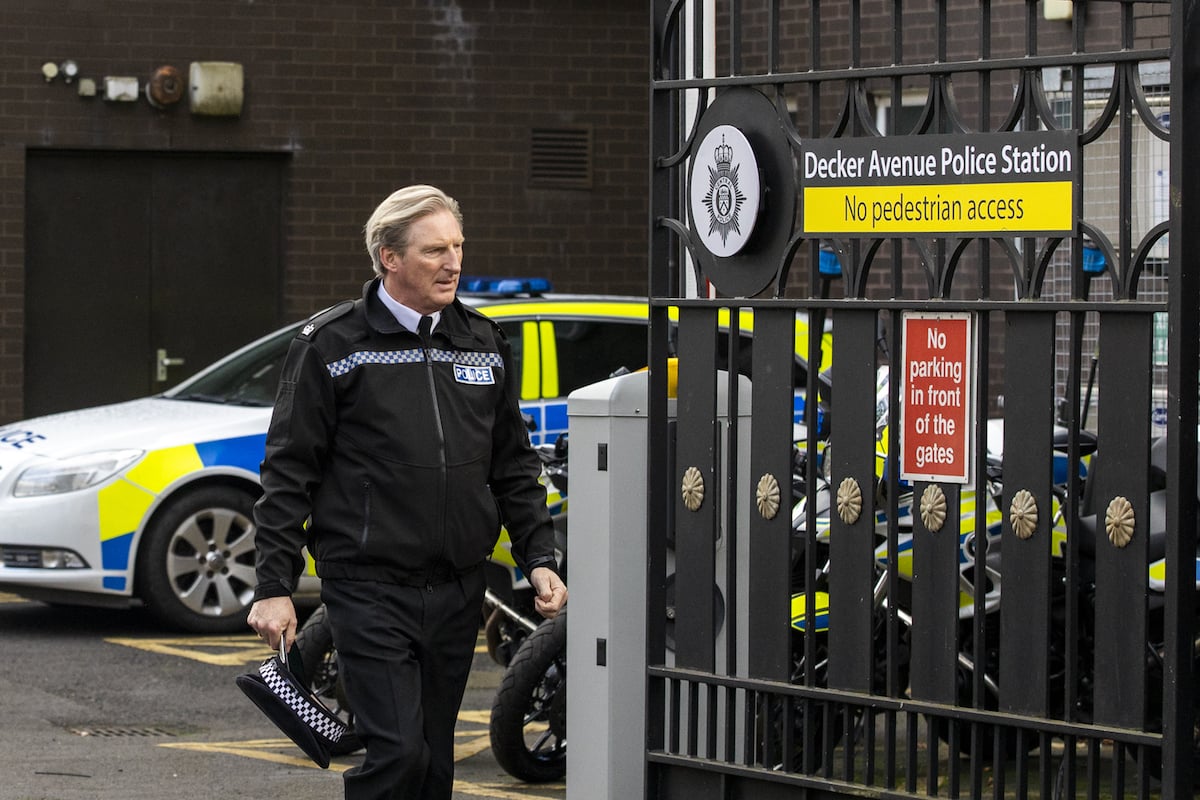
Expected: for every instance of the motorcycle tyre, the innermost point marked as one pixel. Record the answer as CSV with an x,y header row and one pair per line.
x,y
503,636
965,694
533,689
1152,761
315,643
826,734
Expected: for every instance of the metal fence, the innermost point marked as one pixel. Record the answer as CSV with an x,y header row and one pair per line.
x,y
834,628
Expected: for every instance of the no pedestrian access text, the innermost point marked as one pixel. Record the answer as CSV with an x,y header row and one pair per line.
x,y
968,185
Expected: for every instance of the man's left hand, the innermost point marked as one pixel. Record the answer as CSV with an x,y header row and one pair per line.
x,y
551,592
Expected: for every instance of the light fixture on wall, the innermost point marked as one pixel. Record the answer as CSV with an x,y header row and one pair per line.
x,y
215,88
49,71
69,70
165,87
1058,9
119,88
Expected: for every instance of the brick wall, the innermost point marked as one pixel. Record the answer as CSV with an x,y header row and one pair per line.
x,y
365,96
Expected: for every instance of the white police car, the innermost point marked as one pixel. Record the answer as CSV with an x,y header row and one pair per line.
x,y
151,500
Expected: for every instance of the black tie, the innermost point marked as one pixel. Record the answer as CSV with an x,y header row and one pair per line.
x,y
423,329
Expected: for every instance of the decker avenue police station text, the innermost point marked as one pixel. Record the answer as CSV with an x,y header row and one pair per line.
x,y
893,185
965,163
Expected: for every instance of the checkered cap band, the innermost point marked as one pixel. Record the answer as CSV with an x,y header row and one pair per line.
x,y
315,716
414,356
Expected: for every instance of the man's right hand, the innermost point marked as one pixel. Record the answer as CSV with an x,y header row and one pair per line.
x,y
273,617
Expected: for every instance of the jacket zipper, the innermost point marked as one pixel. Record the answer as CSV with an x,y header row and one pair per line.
x,y
441,448
366,528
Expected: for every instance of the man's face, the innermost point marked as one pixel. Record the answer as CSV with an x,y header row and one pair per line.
x,y
424,276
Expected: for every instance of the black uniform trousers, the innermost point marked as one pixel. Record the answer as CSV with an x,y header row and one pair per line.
x,y
404,654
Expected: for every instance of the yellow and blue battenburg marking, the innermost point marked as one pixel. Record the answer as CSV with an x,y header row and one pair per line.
x,y
556,504
800,616
1158,575
122,505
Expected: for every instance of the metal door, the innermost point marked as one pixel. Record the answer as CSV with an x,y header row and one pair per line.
x,y
143,268
1012,633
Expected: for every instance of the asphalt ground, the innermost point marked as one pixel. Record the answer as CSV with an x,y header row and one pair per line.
x,y
100,704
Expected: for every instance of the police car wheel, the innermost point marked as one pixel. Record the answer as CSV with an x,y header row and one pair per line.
x,y
196,561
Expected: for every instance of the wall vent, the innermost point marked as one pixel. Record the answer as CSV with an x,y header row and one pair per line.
x,y
560,158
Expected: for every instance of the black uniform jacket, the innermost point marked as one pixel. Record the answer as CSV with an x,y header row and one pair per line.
x,y
406,458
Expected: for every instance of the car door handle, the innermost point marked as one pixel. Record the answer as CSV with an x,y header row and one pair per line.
x,y
162,361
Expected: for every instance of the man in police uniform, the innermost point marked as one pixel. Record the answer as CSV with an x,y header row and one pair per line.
x,y
397,431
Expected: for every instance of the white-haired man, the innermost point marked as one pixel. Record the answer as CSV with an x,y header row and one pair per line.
x,y
397,435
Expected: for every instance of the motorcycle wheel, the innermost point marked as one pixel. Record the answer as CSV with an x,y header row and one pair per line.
x,y
815,728
315,643
503,636
1152,758
965,681
528,728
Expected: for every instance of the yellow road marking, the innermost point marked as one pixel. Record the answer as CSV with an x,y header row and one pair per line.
x,y
261,749
271,750
237,650
249,649
481,717
13,598
502,791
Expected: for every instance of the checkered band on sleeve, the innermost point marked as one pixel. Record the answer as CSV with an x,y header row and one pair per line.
x,y
415,356
316,717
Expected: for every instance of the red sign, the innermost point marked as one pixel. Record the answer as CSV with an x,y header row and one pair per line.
x,y
937,398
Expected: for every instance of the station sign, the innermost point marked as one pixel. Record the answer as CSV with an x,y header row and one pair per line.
x,y
1011,184
937,397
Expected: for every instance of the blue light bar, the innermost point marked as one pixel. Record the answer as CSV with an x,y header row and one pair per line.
x,y
1093,260
828,263
504,286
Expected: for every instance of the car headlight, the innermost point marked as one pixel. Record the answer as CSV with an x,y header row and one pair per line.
x,y
72,474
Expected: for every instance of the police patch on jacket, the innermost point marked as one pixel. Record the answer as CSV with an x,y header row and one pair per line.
x,y
478,376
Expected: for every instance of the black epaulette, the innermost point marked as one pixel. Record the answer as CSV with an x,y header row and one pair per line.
x,y
322,318
493,324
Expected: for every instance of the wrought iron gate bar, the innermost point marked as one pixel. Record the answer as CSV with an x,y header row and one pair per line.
x,y
925,69
1136,307
679,679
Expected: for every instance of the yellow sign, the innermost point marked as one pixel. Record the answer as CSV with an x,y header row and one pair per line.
x,y
914,209
982,184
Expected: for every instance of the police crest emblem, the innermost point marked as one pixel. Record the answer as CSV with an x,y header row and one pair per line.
x,y
729,198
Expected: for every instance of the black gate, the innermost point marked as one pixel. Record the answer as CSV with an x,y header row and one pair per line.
x,y
884,625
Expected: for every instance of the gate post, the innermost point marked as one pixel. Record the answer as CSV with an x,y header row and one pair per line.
x,y
1183,358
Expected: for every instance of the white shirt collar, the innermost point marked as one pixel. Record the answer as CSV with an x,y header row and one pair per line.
x,y
403,314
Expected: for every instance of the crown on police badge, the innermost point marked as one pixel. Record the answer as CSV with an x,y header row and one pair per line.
x,y
724,156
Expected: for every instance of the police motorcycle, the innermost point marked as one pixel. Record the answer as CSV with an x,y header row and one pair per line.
x,y
810,598
528,728
1091,525
1096,522
1093,522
